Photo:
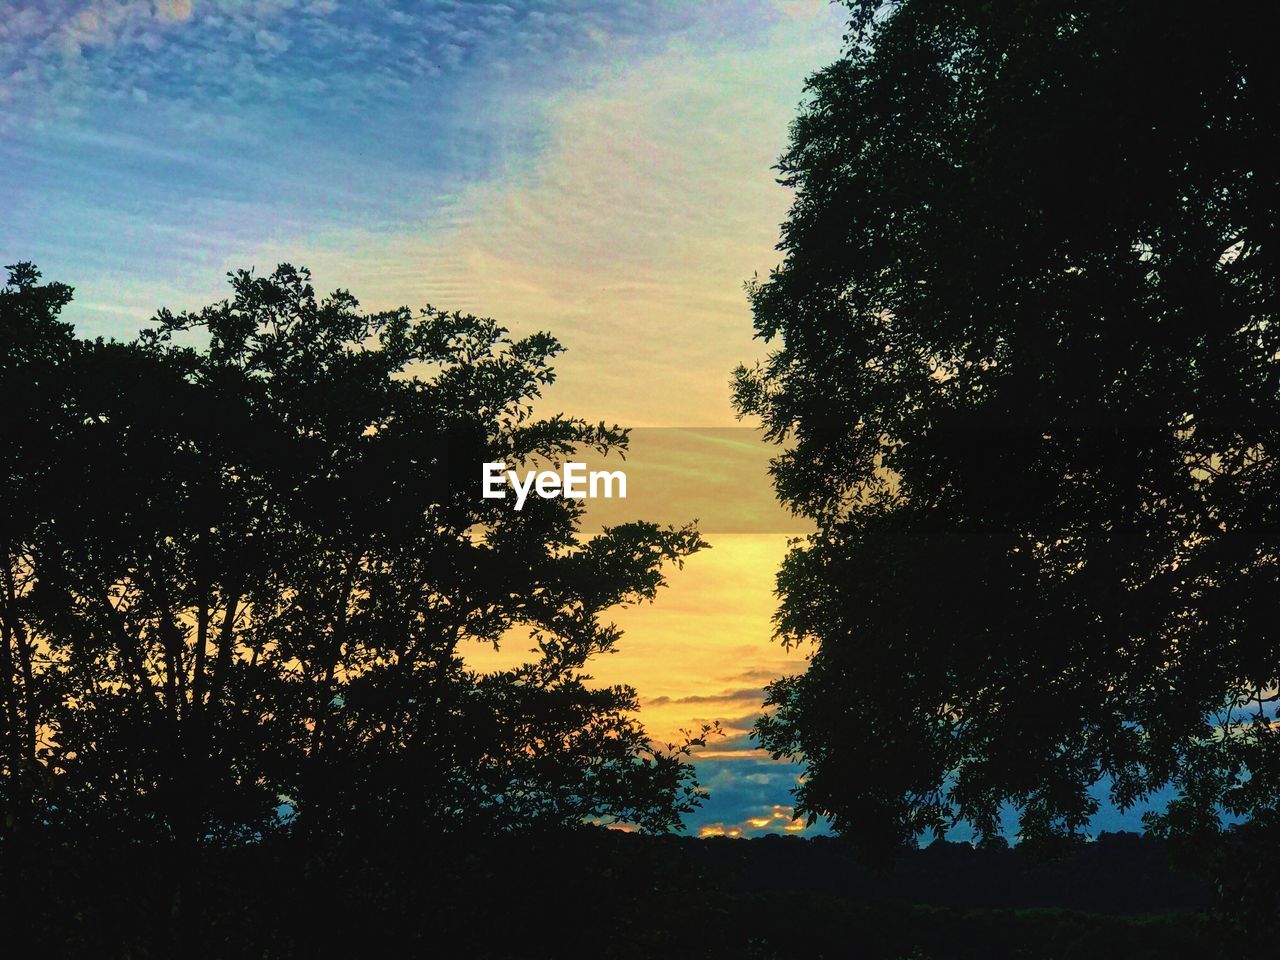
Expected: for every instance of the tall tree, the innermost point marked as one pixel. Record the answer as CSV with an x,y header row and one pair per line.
x,y
1028,372
249,549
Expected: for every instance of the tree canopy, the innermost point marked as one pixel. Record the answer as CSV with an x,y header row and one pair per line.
x,y
1026,366
245,552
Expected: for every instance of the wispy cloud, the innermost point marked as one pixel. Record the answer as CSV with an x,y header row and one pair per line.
x,y
632,231
206,54
725,696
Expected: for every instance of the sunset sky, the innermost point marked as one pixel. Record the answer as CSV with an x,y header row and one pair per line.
x,y
601,170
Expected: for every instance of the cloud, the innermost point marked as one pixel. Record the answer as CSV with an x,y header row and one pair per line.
x,y
756,676
205,55
753,694
778,818
68,28
174,9
749,792
738,742
628,231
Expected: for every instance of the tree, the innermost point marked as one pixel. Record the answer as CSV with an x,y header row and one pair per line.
x,y
1028,377
244,554
33,385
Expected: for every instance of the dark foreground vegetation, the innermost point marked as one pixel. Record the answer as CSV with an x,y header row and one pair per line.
x,y
604,894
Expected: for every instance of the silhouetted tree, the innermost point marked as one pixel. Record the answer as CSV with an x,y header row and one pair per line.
x,y
34,381
243,555
1028,371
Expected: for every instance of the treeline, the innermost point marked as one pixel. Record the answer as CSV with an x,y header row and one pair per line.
x,y
602,894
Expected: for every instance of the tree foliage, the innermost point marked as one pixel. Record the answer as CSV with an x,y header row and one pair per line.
x,y
1028,371
245,553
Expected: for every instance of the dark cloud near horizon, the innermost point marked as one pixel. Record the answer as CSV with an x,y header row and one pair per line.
x,y
749,694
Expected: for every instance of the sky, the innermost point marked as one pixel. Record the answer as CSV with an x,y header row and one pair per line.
x,y
599,170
